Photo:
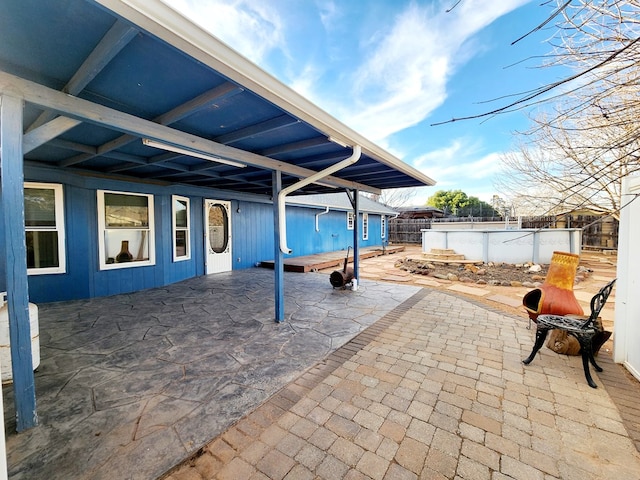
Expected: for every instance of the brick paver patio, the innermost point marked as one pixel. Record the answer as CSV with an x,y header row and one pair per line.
x,y
434,390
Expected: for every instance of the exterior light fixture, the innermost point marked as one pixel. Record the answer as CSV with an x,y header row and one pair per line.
x,y
192,153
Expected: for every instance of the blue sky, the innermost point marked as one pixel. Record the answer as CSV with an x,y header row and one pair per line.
x,y
391,68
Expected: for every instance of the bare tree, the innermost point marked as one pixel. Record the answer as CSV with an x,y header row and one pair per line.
x,y
577,151
595,40
394,198
573,162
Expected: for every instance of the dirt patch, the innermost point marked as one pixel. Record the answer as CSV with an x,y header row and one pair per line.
x,y
499,274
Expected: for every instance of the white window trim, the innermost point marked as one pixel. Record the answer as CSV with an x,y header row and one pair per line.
x,y
365,226
383,226
174,228
101,230
350,222
62,258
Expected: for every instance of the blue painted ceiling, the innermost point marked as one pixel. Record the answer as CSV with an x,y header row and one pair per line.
x,y
47,41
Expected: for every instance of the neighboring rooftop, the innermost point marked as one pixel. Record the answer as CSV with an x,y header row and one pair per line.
x,y
420,212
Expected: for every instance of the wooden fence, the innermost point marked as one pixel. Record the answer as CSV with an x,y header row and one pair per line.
x,y
407,230
597,232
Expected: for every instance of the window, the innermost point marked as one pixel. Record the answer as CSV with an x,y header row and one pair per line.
x,y
126,233
365,226
350,220
44,228
383,226
181,228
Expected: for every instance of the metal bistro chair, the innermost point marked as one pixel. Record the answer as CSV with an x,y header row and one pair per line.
x,y
581,327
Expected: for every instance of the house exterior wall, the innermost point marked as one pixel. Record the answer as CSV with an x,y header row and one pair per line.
x,y
252,229
332,233
252,238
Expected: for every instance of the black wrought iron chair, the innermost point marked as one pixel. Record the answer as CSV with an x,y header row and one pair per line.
x,y
581,327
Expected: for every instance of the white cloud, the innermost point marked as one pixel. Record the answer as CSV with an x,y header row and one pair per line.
x,y
462,165
304,82
252,27
399,71
485,167
328,13
442,156
405,75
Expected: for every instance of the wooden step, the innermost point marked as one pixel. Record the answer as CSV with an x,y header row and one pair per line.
x,y
442,257
443,251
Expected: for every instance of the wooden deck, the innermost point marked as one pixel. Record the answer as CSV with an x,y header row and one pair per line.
x,y
321,261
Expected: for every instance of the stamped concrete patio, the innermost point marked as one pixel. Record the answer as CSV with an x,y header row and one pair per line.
x,y
393,381
130,385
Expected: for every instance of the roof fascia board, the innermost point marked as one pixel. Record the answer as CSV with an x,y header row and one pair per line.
x,y
171,26
85,110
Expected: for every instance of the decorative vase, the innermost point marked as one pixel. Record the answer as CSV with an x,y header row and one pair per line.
x,y
124,255
555,296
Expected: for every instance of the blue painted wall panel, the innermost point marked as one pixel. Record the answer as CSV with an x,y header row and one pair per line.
x,y
252,237
83,277
197,238
332,233
252,230
79,208
3,267
252,241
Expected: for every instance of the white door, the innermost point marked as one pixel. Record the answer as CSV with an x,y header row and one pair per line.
x,y
217,215
626,336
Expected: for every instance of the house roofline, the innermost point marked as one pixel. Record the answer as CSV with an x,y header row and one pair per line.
x,y
171,26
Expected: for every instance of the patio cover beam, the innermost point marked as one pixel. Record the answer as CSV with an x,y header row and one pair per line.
x,y
164,22
107,117
119,36
181,111
50,130
257,129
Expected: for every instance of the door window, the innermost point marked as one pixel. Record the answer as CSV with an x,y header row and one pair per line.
x,y
218,228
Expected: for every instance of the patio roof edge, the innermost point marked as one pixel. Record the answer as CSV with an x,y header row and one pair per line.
x,y
171,26
85,110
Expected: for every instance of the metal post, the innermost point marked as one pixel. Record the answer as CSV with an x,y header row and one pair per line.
x,y
356,236
278,260
15,257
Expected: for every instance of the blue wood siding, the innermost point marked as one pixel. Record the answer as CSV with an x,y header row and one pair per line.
x,y
3,267
252,241
252,233
252,230
80,251
332,233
